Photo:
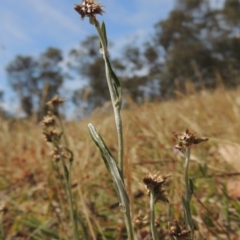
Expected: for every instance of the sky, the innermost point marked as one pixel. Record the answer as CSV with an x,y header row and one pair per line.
x,y
29,27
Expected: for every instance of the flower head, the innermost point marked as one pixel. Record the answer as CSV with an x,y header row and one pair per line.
x,y
48,120
176,231
55,102
187,139
155,182
89,8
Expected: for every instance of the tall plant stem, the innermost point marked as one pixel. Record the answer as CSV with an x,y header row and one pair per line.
x,y
186,165
114,98
188,194
152,215
70,198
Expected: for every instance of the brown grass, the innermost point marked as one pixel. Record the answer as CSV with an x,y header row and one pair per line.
x,y
36,201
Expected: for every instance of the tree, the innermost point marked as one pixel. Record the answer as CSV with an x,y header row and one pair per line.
x,y
86,61
199,42
36,80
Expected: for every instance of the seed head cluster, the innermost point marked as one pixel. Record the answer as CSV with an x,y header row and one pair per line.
x,y
141,219
89,8
54,103
155,181
187,139
50,130
177,232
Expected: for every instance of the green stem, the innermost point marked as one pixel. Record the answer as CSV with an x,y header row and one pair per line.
x,y
114,99
69,197
188,193
186,165
127,218
152,215
63,132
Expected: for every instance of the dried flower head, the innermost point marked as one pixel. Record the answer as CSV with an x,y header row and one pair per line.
x,y
141,219
55,102
57,153
48,120
52,136
155,181
89,8
187,139
176,231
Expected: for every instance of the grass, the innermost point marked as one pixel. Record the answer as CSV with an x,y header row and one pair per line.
x,y
35,200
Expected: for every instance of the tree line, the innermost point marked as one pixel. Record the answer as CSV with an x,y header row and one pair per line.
x,y
197,43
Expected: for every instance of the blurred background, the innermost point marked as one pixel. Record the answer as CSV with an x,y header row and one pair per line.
x,y
157,48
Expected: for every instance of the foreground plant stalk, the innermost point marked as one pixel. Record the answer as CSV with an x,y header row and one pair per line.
x,y
152,215
114,98
89,8
185,141
64,155
72,211
188,194
117,180
154,183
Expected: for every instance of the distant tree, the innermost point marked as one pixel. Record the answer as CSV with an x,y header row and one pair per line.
x,y
86,62
36,80
199,42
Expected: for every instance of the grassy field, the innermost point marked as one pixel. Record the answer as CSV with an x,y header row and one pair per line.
x,y
34,197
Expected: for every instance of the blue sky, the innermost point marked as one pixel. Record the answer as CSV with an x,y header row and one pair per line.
x,y
29,27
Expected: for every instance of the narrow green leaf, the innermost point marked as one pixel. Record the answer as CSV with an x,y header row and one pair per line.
x,y
99,141
111,166
236,205
116,84
71,155
191,186
188,217
104,31
41,228
203,169
208,221
66,172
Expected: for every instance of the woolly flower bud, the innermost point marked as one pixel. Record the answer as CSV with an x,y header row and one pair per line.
x,y
48,121
187,139
89,8
55,102
155,181
51,136
176,231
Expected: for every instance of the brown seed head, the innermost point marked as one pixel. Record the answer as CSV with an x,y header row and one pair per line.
x,y
141,219
52,136
187,139
176,231
48,121
155,181
55,102
89,8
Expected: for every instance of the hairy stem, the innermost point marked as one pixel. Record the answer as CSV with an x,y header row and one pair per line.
x,y
114,98
152,215
188,193
69,198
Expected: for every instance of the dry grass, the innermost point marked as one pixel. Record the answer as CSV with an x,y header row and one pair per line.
x,y
36,201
